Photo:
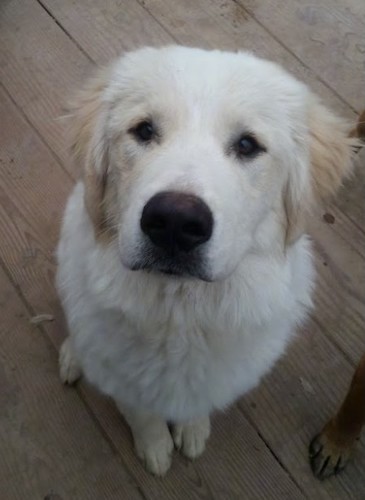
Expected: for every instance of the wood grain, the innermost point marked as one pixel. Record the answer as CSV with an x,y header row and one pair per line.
x,y
106,29
33,190
49,444
192,22
293,403
226,25
39,66
327,35
340,251
351,199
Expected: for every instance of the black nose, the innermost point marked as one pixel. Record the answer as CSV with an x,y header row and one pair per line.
x,y
177,221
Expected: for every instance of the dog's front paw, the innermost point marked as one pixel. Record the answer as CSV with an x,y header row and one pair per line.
x,y
191,438
155,452
329,453
70,370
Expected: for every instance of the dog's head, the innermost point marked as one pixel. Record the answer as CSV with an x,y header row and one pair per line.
x,y
192,158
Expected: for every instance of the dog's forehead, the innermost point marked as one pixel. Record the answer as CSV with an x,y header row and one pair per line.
x,y
213,81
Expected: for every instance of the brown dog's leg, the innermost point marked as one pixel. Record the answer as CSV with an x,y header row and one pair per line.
x,y
331,449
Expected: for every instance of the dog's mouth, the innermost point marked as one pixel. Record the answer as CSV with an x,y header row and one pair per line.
x,y
181,265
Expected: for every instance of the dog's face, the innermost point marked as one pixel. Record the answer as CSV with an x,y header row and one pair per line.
x,y
194,158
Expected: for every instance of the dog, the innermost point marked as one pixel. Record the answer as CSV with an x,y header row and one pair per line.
x,y
183,264
331,450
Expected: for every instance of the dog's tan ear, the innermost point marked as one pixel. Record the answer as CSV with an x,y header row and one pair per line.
x,y
297,204
331,151
330,157
89,145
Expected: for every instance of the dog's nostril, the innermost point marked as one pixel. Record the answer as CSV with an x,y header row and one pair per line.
x,y
177,221
193,229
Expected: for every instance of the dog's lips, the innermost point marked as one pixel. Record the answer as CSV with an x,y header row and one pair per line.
x,y
171,268
168,271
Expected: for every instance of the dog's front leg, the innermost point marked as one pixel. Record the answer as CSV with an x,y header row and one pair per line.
x,y
190,437
332,448
152,439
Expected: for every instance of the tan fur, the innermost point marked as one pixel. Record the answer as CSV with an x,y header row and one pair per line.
x,y
88,146
331,152
296,211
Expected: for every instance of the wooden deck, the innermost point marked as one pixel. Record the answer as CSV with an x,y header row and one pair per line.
x,y
71,444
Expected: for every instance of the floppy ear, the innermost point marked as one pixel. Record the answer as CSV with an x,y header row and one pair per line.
x,y
331,151
330,162
89,145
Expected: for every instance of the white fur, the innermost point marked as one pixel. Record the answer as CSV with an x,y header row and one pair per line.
x,y
176,349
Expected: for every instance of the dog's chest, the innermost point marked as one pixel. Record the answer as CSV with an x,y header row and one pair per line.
x,y
179,369
182,354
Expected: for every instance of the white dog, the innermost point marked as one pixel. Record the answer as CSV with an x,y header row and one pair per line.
x,y
183,268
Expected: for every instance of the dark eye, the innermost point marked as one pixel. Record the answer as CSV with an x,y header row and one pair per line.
x,y
144,131
248,146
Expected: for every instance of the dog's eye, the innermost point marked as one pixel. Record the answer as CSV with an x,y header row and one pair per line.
x,y
247,146
144,131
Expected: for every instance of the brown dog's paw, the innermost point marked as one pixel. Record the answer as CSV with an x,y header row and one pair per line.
x,y
327,457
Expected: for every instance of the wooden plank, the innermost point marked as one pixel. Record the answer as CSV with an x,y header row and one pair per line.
x,y
75,461
293,403
39,66
338,231
225,25
106,29
339,305
351,199
29,169
49,444
327,35
28,235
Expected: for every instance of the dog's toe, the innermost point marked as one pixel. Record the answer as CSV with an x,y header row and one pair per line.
x,y
70,370
191,438
326,457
